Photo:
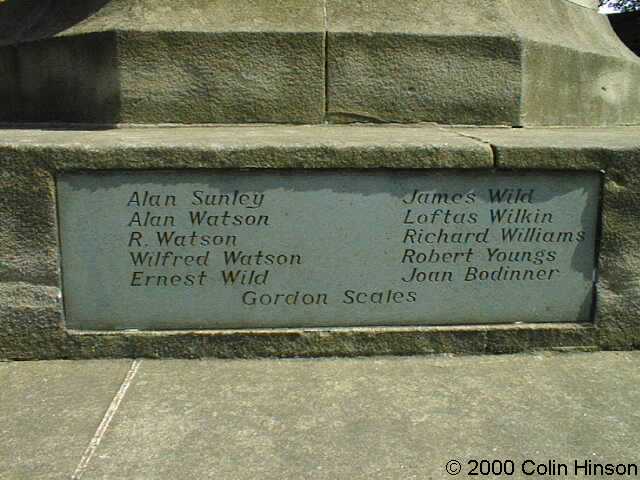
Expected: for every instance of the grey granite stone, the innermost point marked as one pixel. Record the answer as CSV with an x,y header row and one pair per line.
x,y
179,250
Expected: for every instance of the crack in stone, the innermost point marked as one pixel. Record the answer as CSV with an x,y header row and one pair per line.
x,y
106,421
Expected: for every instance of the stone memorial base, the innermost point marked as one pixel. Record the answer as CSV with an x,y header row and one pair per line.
x,y
34,162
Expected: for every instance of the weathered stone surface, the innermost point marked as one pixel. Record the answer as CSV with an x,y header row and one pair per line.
x,y
50,412
592,4
616,153
489,62
203,16
28,235
577,72
267,146
167,62
31,158
28,20
235,77
510,62
422,61
400,77
73,79
32,321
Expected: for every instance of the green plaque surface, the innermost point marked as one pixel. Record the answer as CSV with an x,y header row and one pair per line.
x,y
213,249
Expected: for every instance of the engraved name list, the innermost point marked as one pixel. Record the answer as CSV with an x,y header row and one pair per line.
x,y
176,250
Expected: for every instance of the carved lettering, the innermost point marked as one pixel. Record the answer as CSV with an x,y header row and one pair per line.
x,y
288,249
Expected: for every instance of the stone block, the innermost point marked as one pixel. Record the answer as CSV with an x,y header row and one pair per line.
x,y
387,77
490,62
618,286
33,322
225,77
515,63
28,251
167,62
178,250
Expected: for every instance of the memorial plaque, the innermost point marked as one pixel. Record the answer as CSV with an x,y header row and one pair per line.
x,y
261,249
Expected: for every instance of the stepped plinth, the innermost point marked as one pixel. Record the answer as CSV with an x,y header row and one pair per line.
x,y
195,178
488,62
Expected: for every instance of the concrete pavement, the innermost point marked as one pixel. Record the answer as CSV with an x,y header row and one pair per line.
x,y
362,418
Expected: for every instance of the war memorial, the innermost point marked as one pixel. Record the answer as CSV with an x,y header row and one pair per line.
x,y
318,239
194,179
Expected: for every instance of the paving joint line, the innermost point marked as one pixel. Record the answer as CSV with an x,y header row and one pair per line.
x,y
106,421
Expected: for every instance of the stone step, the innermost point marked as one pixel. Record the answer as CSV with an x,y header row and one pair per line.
x,y
488,62
33,322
